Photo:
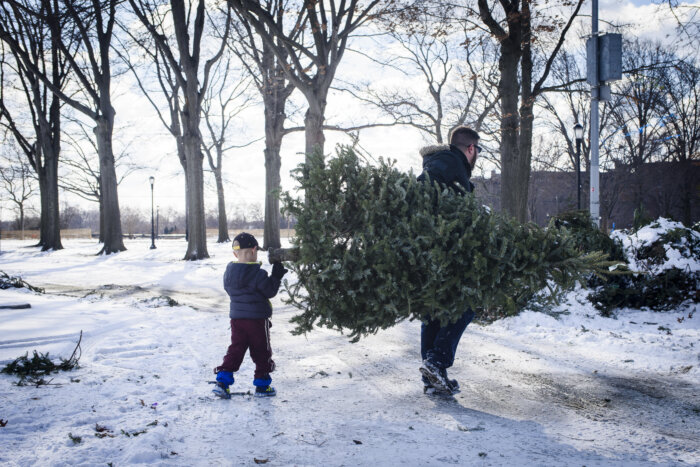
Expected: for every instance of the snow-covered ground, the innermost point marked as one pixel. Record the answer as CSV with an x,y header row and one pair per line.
x,y
578,389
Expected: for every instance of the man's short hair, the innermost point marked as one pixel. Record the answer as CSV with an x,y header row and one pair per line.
x,y
462,135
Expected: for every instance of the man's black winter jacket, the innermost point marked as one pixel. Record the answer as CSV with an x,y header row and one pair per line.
x,y
447,165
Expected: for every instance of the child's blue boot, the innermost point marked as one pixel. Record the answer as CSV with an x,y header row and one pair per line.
x,y
224,379
263,388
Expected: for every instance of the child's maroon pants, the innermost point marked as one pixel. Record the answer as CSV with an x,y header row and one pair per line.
x,y
253,334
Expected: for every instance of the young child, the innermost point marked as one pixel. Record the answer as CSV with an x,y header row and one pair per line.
x,y
250,289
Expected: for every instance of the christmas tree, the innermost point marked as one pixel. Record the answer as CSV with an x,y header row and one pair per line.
x,y
374,246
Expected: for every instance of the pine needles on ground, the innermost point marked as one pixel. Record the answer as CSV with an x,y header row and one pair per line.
x,y
7,282
32,370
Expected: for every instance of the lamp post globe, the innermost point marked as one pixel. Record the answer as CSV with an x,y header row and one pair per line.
x,y
152,179
578,134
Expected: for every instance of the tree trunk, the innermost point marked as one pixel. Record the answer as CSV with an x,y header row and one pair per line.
x,y
102,220
196,227
187,207
43,198
21,221
223,222
273,163
197,231
49,142
113,241
49,229
274,132
52,232
522,165
192,143
527,117
313,126
183,162
687,196
508,87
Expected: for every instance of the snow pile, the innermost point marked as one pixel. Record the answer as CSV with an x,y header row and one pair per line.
x,y
665,258
661,245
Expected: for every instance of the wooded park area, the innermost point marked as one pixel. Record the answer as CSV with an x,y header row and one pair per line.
x,y
512,70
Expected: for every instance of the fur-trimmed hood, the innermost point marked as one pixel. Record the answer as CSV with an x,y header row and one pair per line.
x,y
433,148
448,165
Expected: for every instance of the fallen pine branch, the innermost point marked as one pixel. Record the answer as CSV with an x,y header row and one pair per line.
x,y
31,370
8,282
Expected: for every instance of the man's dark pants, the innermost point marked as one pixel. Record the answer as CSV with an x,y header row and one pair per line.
x,y
253,334
438,344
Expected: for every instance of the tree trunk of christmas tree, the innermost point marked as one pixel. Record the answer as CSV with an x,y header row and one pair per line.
x,y
275,255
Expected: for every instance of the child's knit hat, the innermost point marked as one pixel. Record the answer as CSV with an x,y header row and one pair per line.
x,y
244,240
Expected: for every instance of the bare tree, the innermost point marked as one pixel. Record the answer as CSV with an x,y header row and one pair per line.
x,y
91,26
687,17
225,99
36,48
457,72
155,64
81,164
637,124
311,49
681,135
424,50
135,222
18,181
183,60
638,111
474,100
519,26
568,103
268,73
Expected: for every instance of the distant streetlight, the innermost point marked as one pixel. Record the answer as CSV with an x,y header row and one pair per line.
x,y
578,133
153,224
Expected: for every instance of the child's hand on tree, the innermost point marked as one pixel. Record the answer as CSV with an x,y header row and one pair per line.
x,y
278,270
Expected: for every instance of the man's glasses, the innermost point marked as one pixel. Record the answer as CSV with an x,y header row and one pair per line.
x,y
478,148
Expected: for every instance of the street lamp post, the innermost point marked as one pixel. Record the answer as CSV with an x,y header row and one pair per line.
x,y
153,226
578,133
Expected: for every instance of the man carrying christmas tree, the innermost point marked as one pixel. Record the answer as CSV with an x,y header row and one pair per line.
x,y
450,166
